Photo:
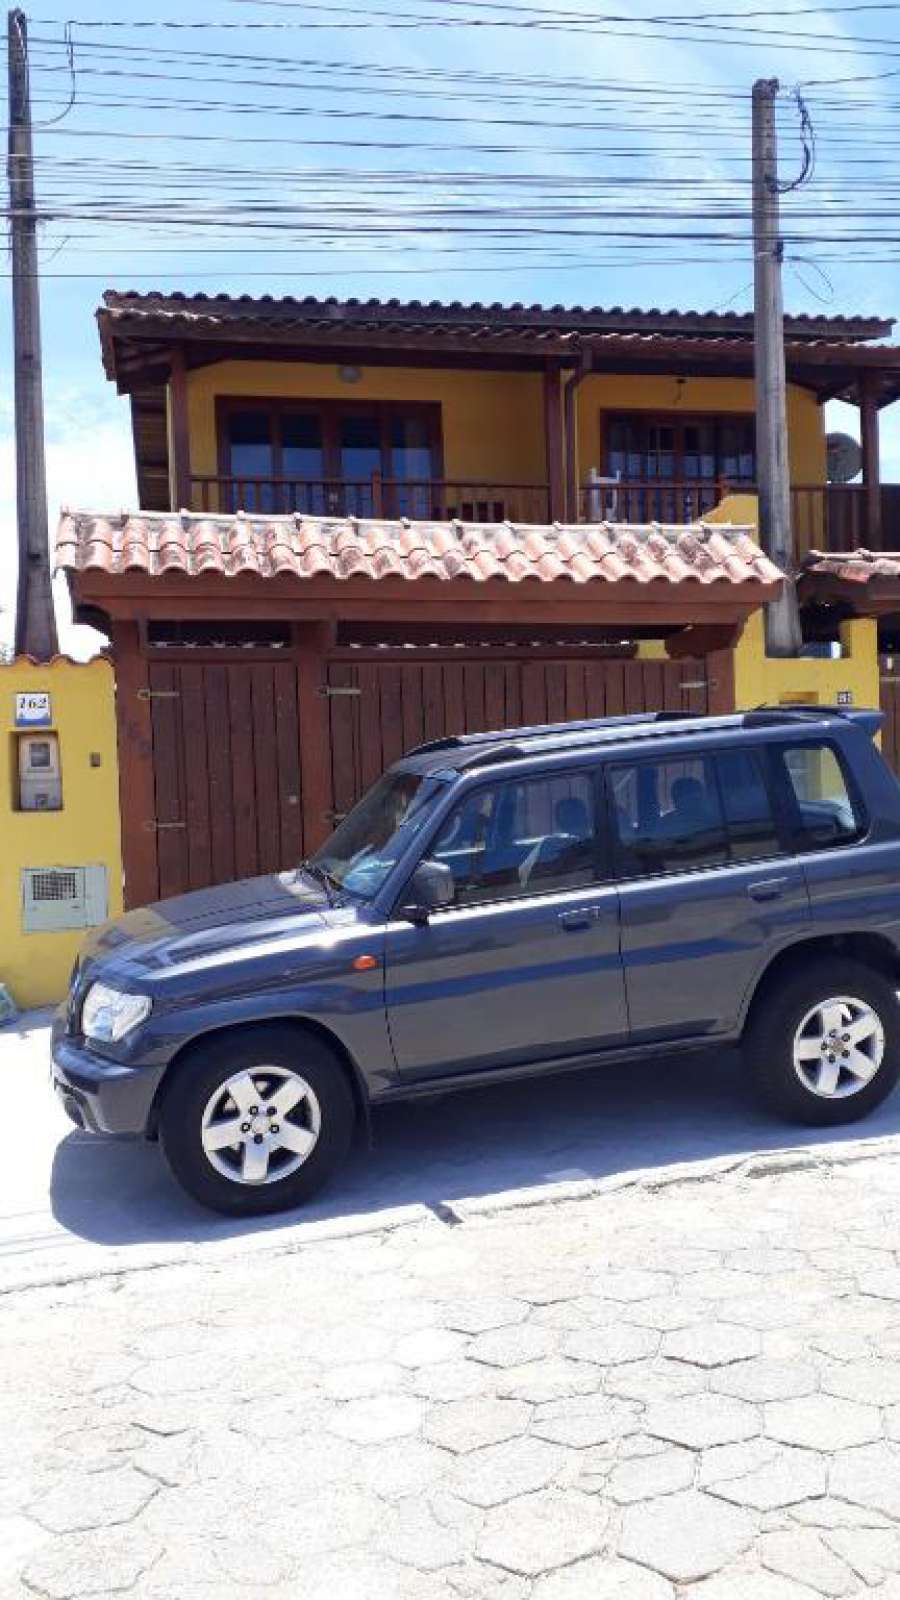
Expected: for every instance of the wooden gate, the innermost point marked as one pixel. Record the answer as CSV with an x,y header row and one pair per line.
x,y
381,703
226,771
244,783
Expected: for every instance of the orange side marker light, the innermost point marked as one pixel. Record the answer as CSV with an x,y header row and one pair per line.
x,y
364,963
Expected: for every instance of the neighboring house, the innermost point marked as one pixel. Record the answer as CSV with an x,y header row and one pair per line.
x,y
364,525
485,413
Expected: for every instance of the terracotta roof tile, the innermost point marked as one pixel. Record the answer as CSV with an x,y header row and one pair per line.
x,y
852,566
161,542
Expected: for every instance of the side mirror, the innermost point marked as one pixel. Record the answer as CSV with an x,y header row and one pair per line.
x,y
430,887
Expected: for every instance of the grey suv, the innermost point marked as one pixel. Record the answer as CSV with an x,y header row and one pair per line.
x,y
502,904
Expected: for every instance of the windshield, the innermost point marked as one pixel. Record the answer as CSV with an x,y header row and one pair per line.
x,y
373,836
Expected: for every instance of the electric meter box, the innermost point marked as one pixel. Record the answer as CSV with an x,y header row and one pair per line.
x,y
40,787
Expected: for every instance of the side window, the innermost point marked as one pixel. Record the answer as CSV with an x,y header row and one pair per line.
x,y
667,816
745,801
824,813
521,838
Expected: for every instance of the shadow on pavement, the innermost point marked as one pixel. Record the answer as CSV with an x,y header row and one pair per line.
x,y
591,1124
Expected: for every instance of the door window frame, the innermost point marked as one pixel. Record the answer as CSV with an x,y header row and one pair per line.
x,y
602,852
329,413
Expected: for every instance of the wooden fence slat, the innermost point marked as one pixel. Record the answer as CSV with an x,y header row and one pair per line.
x,y
218,756
193,721
243,787
287,744
168,763
265,766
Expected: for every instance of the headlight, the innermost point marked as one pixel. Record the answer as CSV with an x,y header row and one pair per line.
x,y
109,1015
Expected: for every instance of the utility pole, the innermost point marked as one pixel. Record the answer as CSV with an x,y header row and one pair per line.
x,y
35,621
783,637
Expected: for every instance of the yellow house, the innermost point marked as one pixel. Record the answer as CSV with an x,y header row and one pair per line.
x,y
485,413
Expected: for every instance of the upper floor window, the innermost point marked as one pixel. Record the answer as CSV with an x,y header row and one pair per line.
x,y
329,458
668,453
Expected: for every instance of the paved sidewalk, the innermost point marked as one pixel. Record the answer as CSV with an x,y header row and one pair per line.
x,y
685,1388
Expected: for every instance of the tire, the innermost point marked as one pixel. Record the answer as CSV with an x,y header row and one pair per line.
x,y
798,1070
285,1148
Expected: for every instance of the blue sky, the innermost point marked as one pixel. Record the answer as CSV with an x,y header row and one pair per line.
x,y
563,149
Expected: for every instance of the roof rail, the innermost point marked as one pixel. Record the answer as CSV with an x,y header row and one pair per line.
x,y
549,730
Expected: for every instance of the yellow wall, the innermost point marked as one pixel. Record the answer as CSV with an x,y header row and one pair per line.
x,y
35,967
605,392
763,680
493,422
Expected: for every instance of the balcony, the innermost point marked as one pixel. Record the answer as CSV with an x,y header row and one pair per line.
x,y
824,516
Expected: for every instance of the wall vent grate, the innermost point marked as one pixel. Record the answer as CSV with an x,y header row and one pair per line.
x,y
57,898
57,885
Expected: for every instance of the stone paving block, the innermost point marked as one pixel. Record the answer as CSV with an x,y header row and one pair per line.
x,y
766,1379
383,1417
77,1504
700,1421
513,1346
554,1378
612,1346
427,1346
584,1421
685,1536
464,1425
829,1513
631,1283
883,1283
451,1380
747,1584
665,1312
821,1422
646,1477
869,1477
791,1476
803,1555
600,1578
539,1532
359,1380
871,1382
713,1344
499,1472
413,1535
400,1467
97,1563
871,1552
477,1580
659,1379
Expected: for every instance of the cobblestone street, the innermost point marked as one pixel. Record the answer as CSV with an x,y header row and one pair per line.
x,y
686,1387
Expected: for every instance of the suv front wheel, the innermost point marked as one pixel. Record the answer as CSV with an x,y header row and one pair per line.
x,y
824,1045
256,1121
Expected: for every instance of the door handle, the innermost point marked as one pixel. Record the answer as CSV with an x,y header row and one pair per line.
x,y
582,918
767,888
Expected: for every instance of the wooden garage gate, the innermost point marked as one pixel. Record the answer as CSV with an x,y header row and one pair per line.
x,y
890,705
243,785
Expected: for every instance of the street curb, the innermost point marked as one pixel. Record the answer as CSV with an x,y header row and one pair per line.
x,y
442,1213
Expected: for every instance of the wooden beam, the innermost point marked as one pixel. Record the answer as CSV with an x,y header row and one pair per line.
x,y
553,435
137,792
181,436
312,641
702,640
868,413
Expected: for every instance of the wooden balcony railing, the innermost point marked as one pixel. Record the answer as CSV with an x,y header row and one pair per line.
x,y
419,499
824,516
649,501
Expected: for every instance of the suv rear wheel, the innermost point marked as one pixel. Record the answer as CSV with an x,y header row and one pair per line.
x,y
824,1045
258,1121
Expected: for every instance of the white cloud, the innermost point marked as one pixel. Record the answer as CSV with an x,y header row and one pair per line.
x,y
90,466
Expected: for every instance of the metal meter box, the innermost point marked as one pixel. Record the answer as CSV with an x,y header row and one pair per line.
x,y
39,777
54,898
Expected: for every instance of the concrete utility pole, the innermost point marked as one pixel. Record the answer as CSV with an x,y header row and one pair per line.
x,y
783,636
35,621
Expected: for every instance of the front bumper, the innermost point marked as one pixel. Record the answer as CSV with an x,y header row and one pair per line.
x,y
101,1095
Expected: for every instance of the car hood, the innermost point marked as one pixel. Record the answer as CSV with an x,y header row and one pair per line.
x,y
230,916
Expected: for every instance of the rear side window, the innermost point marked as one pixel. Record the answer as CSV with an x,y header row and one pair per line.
x,y
704,811
823,809
667,816
745,800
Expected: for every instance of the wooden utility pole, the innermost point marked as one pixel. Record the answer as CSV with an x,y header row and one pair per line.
x,y
783,636
35,622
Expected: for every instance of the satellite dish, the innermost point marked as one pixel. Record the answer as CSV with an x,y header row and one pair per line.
x,y
844,457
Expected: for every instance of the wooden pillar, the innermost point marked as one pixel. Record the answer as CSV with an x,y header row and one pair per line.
x,y
553,435
573,385
179,432
868,414
312,641
137,789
